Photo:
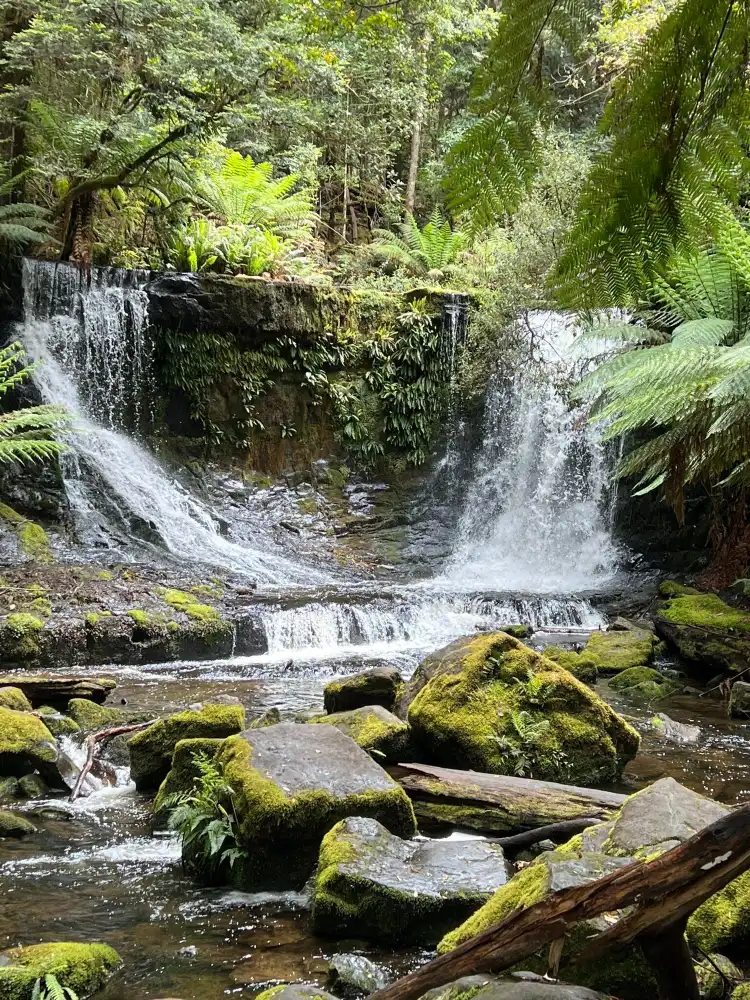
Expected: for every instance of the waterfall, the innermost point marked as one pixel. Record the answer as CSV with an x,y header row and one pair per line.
x,y
90,339
534,516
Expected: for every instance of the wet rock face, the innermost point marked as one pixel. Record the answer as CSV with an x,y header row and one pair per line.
x,y
291,784
371,687
490,703
522,987
706,631
374,885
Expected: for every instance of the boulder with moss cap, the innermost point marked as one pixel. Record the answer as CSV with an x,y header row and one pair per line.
x,y
374,885
373,728
644,684
151,750
183,774
706,631
291,784
487,701
13,697
14,825
27,745
379,686
82,968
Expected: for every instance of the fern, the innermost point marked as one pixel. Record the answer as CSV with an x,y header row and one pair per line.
x,y
429,251
26,435
49,988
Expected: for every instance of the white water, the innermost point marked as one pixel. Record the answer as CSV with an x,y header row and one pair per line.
x,y
86,339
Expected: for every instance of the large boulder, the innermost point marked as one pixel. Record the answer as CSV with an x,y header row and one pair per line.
x,y
379,686
13,697
706,631
26,745
490,703
82,968
373,885
626,974
522,987
291,784
373,728
151,750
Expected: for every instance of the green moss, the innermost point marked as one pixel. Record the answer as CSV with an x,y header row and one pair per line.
x,y
186,603
741,992
32,538
83,968
104,575
283,834
581,666
91,717
705,611
12,697
620,650
13,825
722,923
183,773
670,588
493,703
644,684
24,736
386,739
151,750
20,637
268,994
147,619
58,724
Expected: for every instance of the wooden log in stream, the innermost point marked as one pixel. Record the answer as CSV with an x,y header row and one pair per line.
x,y
499,803
664,893
50,689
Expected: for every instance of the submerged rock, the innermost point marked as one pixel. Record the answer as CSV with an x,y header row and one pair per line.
x,y
490,703
373,728
291,784
521,987
706,631
644,684
355,974
83,968
13,825
379,686
374,885
151,750
674,732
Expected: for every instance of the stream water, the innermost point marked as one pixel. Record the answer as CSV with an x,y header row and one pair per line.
x,y
530,543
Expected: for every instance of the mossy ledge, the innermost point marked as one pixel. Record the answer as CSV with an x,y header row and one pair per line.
x,y
83,968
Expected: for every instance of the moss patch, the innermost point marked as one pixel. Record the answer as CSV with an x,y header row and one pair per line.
x,y
25,743
19,637
32,538
644,684
705,611
83,968
620,650
183,773
187,604
374,729
12,697
722,923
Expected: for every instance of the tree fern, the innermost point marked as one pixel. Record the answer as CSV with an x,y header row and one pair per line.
x,y
26,435
430,250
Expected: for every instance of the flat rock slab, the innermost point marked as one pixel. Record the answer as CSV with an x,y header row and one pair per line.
x,y
379,686
291,784
57,691
373,728
493,988
378,886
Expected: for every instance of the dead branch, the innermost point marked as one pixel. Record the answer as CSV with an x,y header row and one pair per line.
x,y
96,742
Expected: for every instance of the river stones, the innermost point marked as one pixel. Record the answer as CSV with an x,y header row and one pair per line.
x,y
644,684
739,700
151,750
26,745
373,728
674,732
374,885
83,968
490,703
291,784
521,987
13,825
706,631
379,686
355,974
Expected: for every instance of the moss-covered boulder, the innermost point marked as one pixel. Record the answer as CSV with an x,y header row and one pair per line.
x,y
527,987
183,773
13,697
57,723
371,687
26,745
644,684
9,789
706,631
91,718
151,750
373,728
33,786
56,690
374,885
291,784
83,968
295,991
13,825
716,974
620,649
626,975
490,703
741,992
578,664
19,638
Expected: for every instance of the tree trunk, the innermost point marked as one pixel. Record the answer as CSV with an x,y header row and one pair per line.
x,y
416,130
669,956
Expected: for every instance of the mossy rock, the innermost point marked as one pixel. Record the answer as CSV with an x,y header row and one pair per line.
x,y
12,697
620,649
706,631
490,703
373,728
33,786
670,588
714,973
742,992
379,686
57,723
295,991
151,750
32,538
13,825
25,745
644,684
183,773
625,974
373,885
527,987
9,790
19,638
291,784
91,718
580,666
83,968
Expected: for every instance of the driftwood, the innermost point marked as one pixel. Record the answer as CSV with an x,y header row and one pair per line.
x,y
54,690
499,803
97,741
555,831
664,892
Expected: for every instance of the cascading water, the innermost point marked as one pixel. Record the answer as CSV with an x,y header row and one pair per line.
x,y
90,340
533,518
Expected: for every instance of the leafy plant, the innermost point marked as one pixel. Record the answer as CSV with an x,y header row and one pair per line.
x,y
26,435
204,817
522,743
21,222
428,251
49,988
194,246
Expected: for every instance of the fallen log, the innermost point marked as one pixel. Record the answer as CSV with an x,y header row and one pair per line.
x,y
499,803
555,831
664,892
96,742
48,689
